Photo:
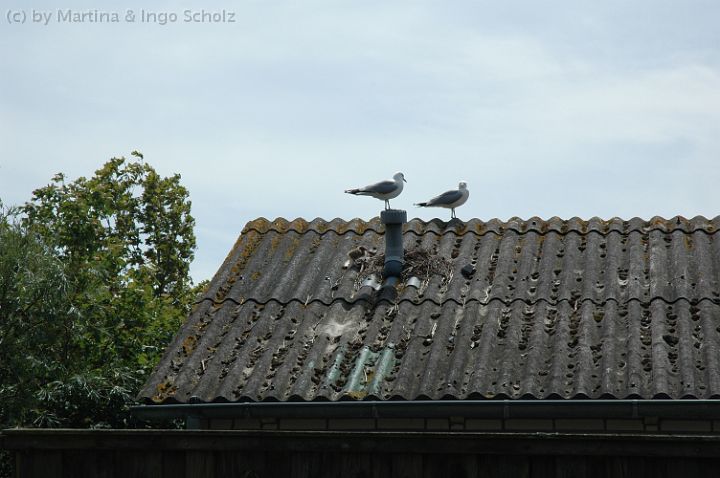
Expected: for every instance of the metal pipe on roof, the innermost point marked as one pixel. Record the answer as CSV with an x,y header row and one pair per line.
x,y
393,219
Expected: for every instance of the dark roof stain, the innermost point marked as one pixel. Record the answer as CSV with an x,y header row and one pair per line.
x,y
531,309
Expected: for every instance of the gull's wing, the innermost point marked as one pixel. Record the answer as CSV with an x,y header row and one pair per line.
x,y
383,187
446,198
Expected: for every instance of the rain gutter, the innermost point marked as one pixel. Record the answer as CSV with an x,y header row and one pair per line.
x,y
613,408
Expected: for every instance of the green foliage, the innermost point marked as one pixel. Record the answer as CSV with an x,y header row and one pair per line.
x,y
35,315
94,281
134,223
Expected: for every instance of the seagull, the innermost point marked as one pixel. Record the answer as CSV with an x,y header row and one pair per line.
x,y
449,199
384,190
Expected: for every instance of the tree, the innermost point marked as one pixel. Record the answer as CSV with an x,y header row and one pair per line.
x,y
126,235
35,317
94,281
126,217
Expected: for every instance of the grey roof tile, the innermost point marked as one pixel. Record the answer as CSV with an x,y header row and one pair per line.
x,y
554,309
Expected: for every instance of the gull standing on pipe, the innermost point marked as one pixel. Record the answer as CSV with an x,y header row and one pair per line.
x,y
449,199
384,190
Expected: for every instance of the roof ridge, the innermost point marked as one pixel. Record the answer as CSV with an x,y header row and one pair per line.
x,y
479,227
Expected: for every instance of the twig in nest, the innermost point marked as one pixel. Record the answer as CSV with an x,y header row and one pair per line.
x,y
419,262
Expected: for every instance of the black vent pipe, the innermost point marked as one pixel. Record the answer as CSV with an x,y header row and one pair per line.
x,y
393,219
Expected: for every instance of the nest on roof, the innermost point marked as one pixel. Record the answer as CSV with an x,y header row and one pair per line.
x,y
419,262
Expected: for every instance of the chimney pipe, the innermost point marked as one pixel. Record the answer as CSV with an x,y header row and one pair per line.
x,y
393,219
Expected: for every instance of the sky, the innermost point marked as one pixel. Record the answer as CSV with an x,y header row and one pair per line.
x,y
273,108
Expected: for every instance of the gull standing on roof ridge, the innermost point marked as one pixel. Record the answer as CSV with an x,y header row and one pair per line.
x,y
384,190
449,199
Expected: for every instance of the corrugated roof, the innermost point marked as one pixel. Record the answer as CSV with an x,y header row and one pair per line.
x,y
551,309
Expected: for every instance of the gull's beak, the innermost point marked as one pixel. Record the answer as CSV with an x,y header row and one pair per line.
x,y
404,179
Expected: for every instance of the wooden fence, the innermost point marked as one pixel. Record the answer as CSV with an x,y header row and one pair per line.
x,y
260,454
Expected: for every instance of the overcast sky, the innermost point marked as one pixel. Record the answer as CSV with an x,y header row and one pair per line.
x,y
552,108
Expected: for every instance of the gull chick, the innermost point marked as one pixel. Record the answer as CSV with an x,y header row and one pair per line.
x,y
384,190
449,199
358,255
